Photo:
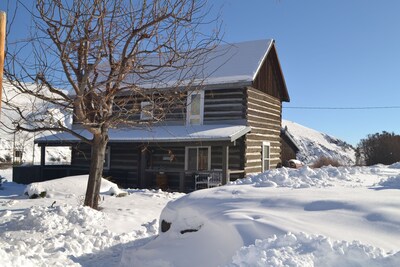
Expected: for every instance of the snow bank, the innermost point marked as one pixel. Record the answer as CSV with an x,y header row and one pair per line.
x,y
395,165
310,250
72,186
391,182
303,177
53,235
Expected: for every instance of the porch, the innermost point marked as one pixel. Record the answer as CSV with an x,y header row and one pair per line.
x,y
139,158
165,179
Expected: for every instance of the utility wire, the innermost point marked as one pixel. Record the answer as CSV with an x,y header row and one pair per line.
x,y
344,108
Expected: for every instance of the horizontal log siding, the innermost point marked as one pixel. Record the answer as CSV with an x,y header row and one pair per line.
x,y
169,108
224,104
235,156
80,155
264,113
124,162
161,156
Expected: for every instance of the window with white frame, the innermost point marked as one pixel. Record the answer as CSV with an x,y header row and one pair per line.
x,y
266,157
198,158
195,108
106,164
146,110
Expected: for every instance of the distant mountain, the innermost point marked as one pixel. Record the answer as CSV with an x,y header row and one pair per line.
x,y
314,144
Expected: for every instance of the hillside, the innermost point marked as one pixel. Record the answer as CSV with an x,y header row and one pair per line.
x,y
23,141
314,144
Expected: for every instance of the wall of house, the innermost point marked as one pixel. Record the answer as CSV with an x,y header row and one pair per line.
x,y
224,105
288,152
124,162
220,106
264,114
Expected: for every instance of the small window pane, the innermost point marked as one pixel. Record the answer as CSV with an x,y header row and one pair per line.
x,y
266,165
192,159
146,110
106,164
195,121
195,104
266,152
203,159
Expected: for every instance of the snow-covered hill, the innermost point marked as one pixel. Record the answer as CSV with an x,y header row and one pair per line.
x,y
23,141
314,145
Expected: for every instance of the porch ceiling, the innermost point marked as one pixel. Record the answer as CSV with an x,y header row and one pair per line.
x,y
193,133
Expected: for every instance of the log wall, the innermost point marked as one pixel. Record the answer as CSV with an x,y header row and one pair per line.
x,y
124,162
264,116
224,104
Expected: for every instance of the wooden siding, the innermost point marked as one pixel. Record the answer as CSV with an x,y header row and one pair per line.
x,y
170,108
219,105
264,113
270,78
124,162
224,104
235,156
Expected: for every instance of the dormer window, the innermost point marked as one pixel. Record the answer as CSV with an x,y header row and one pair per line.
x,y
146,110
195,108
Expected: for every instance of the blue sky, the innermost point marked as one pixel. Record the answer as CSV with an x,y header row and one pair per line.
x,y
334,53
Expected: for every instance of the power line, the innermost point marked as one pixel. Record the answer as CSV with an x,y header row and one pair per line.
x,y
344,108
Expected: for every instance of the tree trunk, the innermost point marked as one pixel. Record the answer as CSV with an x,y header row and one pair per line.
x,y
96,170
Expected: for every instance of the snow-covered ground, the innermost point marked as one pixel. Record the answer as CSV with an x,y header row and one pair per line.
x,y
346,216
314,145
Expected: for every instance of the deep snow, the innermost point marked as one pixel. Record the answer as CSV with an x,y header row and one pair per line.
x,y
346,216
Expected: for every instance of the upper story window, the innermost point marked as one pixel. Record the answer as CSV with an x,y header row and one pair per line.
x,y
195,108
146,110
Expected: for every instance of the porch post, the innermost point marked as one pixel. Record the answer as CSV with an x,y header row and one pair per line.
x,y
42,155
225,164
182,181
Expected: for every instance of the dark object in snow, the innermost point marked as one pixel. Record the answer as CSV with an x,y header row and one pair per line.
x,y
52,205
165,226
189,231
34,196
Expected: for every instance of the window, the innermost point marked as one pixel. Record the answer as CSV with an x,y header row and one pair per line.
x,y
198,158
146,108
265,156
195,108
106,164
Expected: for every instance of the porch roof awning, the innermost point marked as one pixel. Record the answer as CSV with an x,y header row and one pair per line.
x,y
193,133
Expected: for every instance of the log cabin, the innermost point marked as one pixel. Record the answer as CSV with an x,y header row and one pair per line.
x,y
227,129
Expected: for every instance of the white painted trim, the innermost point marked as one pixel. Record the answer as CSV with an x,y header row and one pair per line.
x,y
197,163
264,143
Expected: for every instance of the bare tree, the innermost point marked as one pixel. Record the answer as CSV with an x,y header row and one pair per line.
x,y
95,58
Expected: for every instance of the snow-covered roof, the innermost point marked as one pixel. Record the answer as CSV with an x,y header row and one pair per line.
x,y
236,63
180,133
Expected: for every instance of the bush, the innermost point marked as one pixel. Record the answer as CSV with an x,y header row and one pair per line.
x,y
325,161
378,148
